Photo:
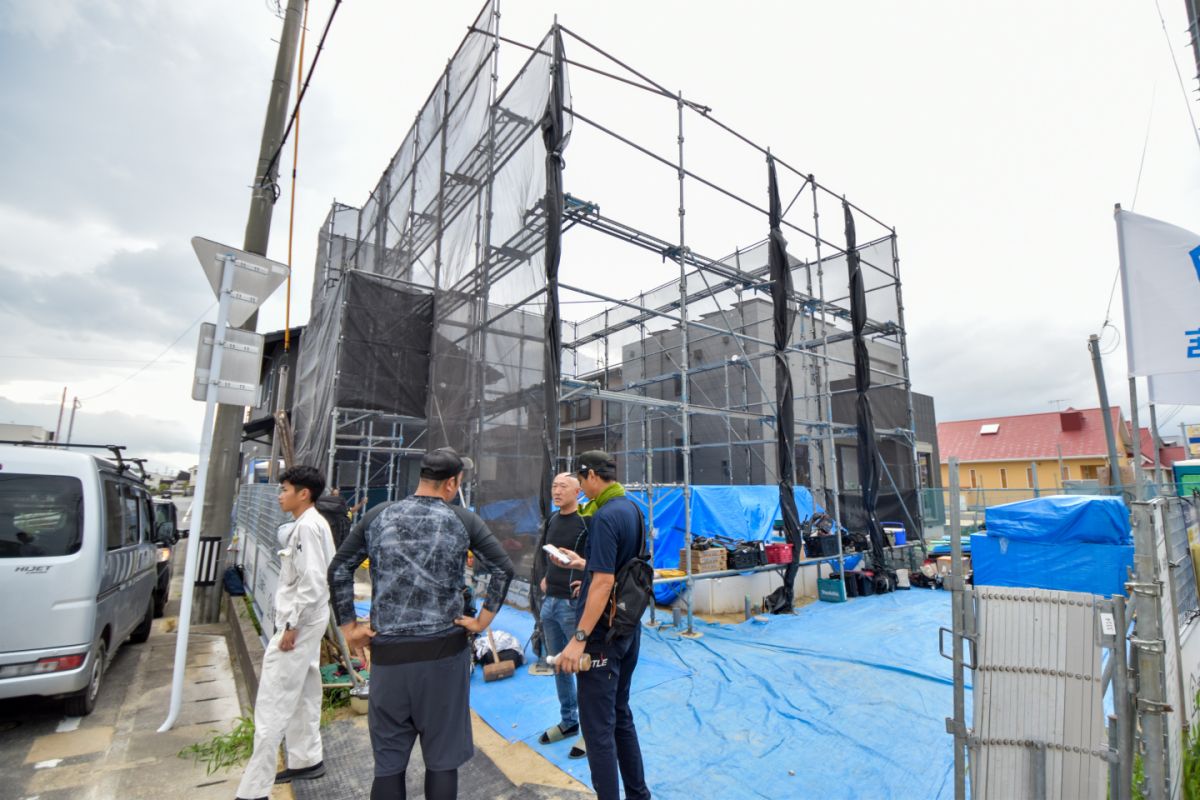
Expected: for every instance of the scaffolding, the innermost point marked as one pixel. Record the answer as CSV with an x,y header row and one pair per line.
x,y
666,297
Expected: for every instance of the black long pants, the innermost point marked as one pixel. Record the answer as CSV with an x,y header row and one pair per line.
x,y
607,721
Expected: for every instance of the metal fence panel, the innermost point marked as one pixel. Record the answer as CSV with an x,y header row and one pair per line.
x,y
1038,696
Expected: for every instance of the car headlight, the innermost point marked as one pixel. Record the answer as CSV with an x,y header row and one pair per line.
x,y
164,554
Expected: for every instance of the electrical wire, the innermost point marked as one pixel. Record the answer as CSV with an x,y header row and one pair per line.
x,y
265,178
156,359
287,307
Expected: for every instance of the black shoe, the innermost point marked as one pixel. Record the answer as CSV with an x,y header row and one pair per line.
x,y
305,774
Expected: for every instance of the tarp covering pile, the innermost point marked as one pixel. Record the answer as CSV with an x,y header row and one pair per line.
x,y
1069,543
1063,518
838,701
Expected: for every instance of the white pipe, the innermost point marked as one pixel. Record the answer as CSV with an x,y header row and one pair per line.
x,y
193,546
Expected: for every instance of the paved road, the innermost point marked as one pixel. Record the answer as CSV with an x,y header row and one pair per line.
x,y
116,752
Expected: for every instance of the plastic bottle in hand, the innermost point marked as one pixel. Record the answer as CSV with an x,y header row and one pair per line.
x,y
585,662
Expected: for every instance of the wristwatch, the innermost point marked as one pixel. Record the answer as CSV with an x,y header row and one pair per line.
x,y
580,635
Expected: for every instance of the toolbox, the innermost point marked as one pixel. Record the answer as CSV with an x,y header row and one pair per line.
x,y
830,590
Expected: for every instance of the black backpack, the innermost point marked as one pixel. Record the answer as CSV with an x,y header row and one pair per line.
x,y
633,586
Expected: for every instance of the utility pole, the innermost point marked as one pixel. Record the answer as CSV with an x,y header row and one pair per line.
x,y
1114,466
58,428
225,459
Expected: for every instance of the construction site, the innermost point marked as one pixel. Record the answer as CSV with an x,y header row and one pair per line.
x,y
530,279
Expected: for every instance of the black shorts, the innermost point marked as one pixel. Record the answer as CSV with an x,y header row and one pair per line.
x,y
430,699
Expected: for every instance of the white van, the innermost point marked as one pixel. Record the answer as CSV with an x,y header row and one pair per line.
x,y
77,571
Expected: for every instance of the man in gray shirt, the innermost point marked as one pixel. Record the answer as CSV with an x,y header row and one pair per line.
x,y
420,662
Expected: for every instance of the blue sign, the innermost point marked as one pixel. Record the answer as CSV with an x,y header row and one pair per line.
x,y
1195,254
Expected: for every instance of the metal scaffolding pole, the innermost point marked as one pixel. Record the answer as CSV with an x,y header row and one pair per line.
x,y
831,487
684,360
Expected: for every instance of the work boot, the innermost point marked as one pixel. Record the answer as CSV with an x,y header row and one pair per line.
x,y
302,774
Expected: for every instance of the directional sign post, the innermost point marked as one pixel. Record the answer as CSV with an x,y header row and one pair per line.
x,y
242,281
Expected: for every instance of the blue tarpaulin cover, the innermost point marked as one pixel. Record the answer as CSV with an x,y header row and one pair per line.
x,y
1067,566
850,697
1062,518
746,513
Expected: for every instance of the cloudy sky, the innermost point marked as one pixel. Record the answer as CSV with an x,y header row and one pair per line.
x,y
995,136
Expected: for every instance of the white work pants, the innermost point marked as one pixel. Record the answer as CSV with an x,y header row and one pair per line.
x,y
288,705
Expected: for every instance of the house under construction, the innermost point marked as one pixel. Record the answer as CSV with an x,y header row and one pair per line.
x,y
686,308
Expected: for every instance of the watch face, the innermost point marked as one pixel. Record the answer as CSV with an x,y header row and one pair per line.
x,y
581,636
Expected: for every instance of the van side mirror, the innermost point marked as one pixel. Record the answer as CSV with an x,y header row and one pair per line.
x,y
164,533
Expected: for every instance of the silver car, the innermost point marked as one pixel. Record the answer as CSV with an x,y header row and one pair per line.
x,y
77,571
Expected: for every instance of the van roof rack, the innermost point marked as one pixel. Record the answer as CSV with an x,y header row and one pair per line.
x,y
122,461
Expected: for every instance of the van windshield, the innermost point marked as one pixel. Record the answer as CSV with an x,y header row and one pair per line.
x,y
40,515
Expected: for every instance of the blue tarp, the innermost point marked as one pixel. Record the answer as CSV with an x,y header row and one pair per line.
x,y
746,513
850,697
1068,566
1062,518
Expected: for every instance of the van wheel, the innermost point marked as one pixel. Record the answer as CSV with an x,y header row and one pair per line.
x,y
83,702
142,632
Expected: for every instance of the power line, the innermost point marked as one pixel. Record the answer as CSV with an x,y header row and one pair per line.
x,y
154,360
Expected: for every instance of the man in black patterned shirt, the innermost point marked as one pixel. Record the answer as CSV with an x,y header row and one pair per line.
x,y
420,662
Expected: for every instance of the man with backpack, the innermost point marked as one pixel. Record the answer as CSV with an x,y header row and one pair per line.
x,y
615,591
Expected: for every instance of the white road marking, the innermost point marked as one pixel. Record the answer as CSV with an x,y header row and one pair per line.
x,y
54,762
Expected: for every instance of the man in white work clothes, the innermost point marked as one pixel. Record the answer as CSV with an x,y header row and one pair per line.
x,y
289,692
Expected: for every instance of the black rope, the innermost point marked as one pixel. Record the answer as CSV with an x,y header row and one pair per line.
x,y
265,177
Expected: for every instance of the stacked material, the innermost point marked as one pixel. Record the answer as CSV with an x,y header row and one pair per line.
x,y
1072,543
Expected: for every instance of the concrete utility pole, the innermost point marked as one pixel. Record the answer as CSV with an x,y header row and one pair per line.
x,y
1114,466
224,462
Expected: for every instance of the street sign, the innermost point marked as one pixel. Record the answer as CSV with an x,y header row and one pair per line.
x,y
241,366
254,280
1193,441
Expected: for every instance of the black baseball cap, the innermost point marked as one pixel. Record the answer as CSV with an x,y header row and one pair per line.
x,y
596,460
444,463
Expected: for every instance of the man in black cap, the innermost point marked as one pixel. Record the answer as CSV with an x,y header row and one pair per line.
x,y
420,670
614,537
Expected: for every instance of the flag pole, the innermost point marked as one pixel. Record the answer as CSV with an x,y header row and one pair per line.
x,y
1158,478
1137,439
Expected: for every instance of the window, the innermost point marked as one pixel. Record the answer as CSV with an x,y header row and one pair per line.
x,y
926,460
989,429
1089,472
848,466
579,410
677,385
1029,477
130,528
112,515
40,515
1066,472
974,480
1003,478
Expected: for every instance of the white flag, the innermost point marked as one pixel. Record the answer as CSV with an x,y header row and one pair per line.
x,y
1160,276
1178,388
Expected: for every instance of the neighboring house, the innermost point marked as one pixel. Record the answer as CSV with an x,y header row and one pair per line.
x,y
1030,452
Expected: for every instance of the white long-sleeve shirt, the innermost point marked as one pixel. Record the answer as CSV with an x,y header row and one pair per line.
x,y
302,596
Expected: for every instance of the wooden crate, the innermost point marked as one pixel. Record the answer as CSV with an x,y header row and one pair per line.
x,y
710,560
